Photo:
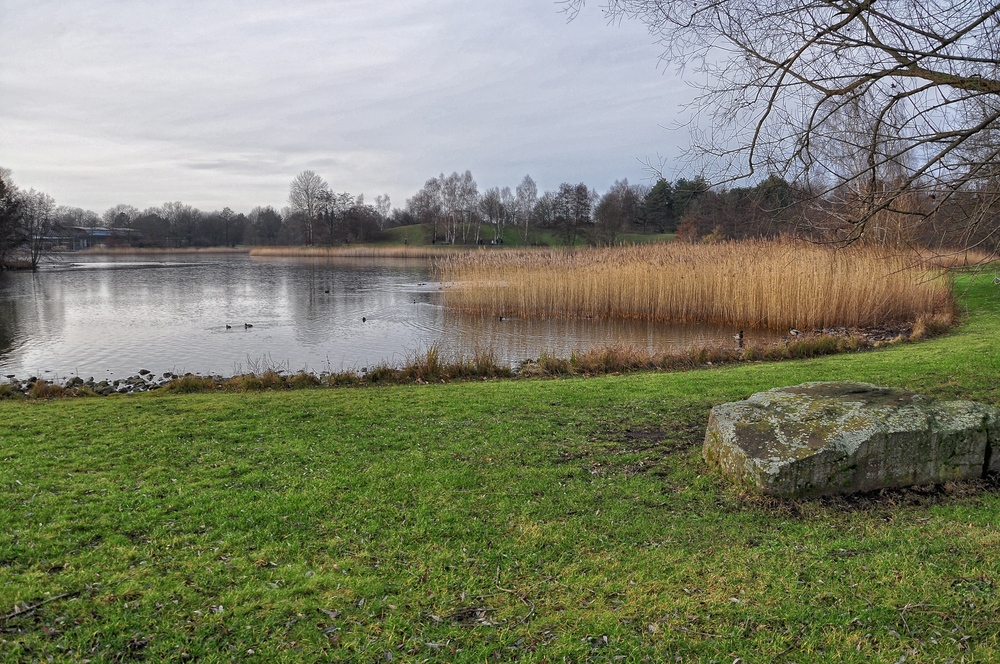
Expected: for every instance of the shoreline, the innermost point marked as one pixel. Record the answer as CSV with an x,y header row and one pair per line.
x,y
155,251
430,367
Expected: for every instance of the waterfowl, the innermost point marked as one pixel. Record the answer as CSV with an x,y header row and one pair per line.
x,y
247,326
794,332
364,320
228,326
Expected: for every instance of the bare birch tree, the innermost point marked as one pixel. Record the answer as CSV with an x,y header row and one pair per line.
x,y
527,196
468,195
382,206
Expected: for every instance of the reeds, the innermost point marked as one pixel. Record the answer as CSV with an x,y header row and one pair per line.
x,y
619,358
362,251
421,367
764,284
954,259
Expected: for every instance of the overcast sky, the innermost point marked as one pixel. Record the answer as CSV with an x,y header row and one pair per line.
x,y
222,103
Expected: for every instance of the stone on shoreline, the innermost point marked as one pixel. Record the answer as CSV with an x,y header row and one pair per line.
x,y
843,437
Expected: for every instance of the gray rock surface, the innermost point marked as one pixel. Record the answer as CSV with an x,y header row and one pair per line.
x,y
843,437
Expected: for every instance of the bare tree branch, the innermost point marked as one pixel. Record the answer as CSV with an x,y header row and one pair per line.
x,y
879,107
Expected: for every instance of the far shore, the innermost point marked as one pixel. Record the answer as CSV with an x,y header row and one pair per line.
x,y
133,251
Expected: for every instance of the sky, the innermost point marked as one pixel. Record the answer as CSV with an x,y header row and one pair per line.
x,y
222,103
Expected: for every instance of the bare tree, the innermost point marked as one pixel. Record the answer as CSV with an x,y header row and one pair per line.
x,y
331,209
121,216
491,206
915,82
508,212
451,205
527,196
572,207
618,211
544,212
426,206
382,207
182,221
229,221
468,196
73,216
304,197
37,211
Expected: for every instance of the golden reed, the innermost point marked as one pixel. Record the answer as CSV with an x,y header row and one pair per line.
x,y
954,259
776,284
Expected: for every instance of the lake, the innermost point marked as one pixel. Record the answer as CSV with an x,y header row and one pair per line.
x,y
105,316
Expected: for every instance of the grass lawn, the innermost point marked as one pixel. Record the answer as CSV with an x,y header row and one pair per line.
x,y
529,520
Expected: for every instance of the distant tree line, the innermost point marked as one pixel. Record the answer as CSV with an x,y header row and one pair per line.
x,y
454,212
451,209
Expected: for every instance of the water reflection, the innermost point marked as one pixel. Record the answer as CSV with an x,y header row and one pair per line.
x,y
106,317
517,339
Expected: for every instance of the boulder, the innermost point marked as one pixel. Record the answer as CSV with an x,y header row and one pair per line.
x,y
843,437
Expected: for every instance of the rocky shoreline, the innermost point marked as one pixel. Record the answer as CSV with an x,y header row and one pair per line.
x,y
146,381
143,381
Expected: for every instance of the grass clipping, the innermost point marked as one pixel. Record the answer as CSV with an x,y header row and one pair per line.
x,y
772,284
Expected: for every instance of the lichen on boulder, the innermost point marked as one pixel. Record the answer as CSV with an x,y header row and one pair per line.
x,y
844,437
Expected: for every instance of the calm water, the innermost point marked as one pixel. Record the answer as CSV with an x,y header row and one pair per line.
x,y
111,316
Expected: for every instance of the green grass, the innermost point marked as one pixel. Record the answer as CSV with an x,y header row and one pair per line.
x,y
533,520
412,234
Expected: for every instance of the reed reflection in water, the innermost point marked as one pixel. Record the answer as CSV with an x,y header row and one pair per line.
x,y
514,340
110,316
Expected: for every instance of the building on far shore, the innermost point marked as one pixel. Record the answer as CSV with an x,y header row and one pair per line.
x,y
77,238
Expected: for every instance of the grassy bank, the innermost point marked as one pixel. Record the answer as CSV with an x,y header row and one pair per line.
x,y
485,521
775,284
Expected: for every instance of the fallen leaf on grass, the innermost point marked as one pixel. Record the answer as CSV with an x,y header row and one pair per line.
x,y
330,614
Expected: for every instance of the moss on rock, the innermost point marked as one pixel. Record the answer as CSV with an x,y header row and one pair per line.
x,y
844,437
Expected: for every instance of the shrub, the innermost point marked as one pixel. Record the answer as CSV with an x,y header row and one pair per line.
x,y
931,325
301,380
42,390
190,384
9,392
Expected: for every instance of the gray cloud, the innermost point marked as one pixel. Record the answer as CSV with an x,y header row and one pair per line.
x,y
223,103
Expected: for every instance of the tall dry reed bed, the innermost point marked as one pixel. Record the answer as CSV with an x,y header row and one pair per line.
x,y
776,284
